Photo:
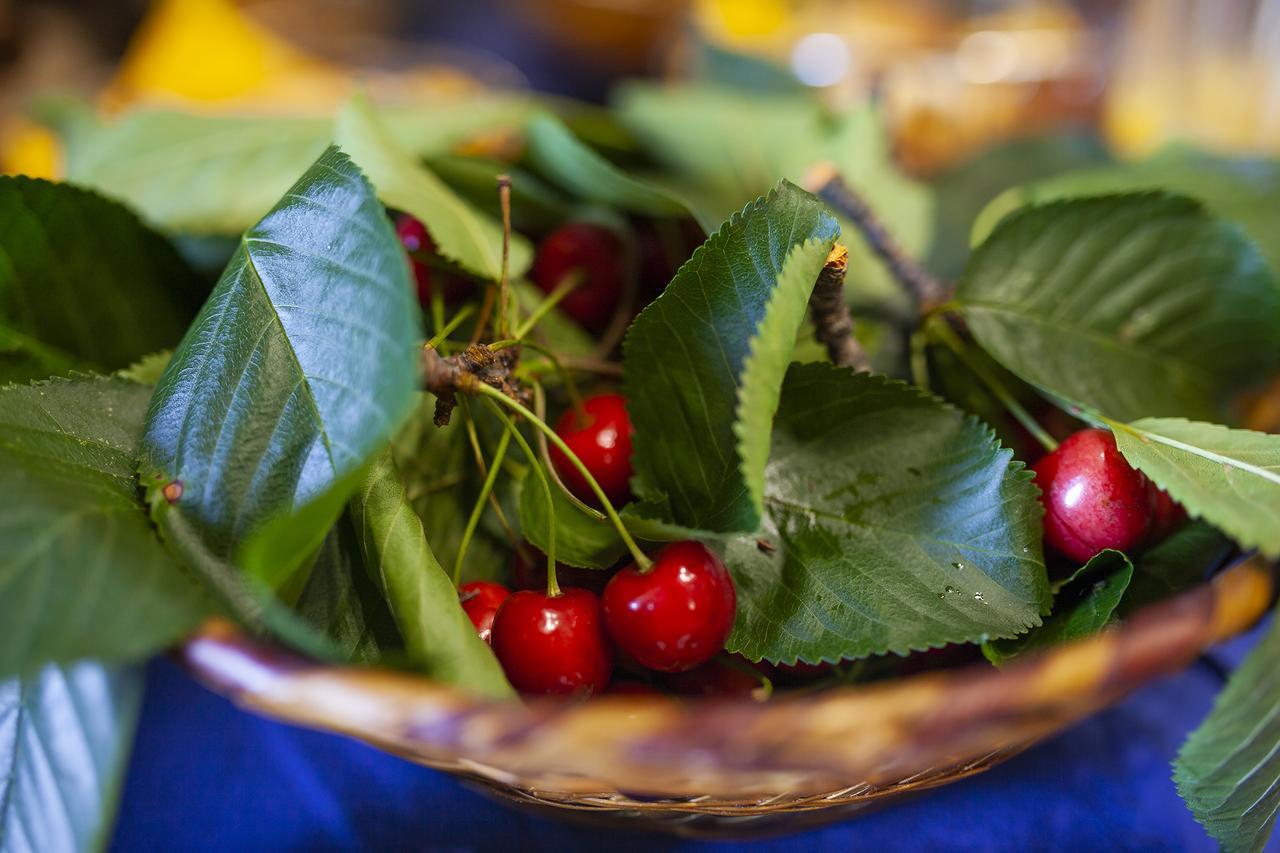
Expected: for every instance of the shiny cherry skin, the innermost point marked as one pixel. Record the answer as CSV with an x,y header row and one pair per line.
x,y
1092,498
596,254
529,571
480,601
601,438
553,645
414,237
678,614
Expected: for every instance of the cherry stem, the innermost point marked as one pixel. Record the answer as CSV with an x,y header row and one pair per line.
x,y
643,563
448,328
437,311
540,409
478,510
473,439
943,332
827,184
759,694
504,286
563,289
553,586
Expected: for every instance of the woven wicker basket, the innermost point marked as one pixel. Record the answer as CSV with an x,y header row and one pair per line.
x,y
734,767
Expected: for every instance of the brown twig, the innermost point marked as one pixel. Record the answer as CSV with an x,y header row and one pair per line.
x,y
825,182
504,198
832,322
465,372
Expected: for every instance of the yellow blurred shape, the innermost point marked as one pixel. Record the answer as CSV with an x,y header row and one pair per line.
x,y
210,51
31,150
743,19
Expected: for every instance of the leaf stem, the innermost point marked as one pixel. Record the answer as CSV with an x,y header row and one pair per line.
x,y
563,289
643,563
447,329
553,585
478,510
943,332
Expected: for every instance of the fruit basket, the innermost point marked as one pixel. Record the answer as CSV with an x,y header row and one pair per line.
x,y
734,766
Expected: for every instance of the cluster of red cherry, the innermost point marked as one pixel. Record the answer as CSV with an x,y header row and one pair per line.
x,y
674,616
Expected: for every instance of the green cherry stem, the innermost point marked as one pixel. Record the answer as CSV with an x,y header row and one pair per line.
x,y
448,328
477,453
570,386
478,510
643,563
553,586
437,312
563,289
943,332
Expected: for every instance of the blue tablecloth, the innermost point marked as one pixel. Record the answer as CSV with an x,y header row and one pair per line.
x,y
206,776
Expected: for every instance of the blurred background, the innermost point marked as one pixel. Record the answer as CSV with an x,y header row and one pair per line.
x,y
952,78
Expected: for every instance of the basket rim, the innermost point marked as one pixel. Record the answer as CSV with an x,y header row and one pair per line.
x,y
880,735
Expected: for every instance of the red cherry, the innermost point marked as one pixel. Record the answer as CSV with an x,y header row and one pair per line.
x,y
553,645
529,571
601,438
719,677
481,600
1167,515
414,237
593,252
1093,499
678,614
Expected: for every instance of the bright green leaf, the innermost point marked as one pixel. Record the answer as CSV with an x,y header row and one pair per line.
x,y
461,233
206,174
83,283
573,166
535,207
1228,771
1136,306
65,734
81,571
1229,477
898,524
1081,608
728,318
299,368
439,637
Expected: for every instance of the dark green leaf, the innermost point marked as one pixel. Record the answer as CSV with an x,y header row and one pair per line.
x,y
1137,305
298,369
342,601
557,154
581,540
1081,608
899,524
65,734
439,637
461,233
1178,563
206,174
81,572
705,360
727,147
1243,191
1228,771
535,207
962,192
83,283
1230,477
